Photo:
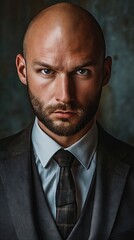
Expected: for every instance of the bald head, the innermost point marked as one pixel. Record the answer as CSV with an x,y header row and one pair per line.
x,y
70,22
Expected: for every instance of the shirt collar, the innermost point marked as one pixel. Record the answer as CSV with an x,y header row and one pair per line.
x,y
83,149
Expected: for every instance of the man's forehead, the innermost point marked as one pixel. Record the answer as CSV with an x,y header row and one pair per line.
x,y
63,48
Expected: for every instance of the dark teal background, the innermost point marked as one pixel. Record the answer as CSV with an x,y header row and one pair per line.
x,y
116,112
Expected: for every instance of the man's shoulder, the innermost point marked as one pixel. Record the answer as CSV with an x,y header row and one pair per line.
x,y
108,137
115,146
16,142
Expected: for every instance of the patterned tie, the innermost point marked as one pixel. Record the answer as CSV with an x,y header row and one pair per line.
x,y
66,212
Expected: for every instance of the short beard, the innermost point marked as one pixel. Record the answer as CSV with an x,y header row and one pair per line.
x,y
65,128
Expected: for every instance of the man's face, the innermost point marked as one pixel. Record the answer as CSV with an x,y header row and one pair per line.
x,y
64,75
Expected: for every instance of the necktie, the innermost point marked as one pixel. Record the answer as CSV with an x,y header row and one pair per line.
x,y
66,212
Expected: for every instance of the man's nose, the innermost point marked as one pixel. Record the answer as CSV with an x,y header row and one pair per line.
x,y
64,91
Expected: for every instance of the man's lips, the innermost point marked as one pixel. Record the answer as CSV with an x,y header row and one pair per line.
x,y
64,114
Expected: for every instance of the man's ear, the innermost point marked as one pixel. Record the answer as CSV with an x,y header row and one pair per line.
x,y
21,68
107,70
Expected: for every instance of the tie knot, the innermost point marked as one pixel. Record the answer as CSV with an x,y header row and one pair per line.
x,y
64,158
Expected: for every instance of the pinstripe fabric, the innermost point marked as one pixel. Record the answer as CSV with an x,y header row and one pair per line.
x,y
66,210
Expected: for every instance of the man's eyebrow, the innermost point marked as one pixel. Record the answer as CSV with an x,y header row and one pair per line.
x,y
82,65
42,64
86,64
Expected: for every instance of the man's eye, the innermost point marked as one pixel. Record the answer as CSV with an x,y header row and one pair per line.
x,y
47,71
82,72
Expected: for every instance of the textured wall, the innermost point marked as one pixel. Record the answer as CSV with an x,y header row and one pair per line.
x,y
117,105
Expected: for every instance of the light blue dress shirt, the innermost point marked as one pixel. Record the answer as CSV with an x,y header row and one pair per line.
x,y
85,152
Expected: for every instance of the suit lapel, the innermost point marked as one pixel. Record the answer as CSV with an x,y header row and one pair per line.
x,y
15,171
110,183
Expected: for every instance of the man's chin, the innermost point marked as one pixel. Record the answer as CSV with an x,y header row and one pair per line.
x,y
61,128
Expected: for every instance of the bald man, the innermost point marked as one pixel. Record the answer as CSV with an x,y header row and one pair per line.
x,y
64,177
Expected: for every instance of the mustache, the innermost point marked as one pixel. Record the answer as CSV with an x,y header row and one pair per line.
x,y
64,107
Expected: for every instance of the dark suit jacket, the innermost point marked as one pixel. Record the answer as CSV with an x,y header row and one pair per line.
x,y
113,210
